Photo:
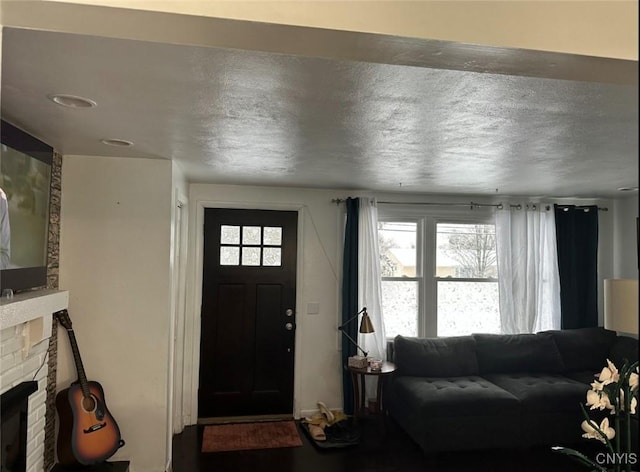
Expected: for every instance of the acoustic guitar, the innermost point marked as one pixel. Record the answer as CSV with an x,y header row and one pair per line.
x,y
88,433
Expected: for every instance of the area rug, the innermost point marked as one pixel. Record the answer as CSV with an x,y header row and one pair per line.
x,y
246,436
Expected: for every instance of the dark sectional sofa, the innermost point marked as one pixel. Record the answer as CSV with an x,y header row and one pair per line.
x,y
499,391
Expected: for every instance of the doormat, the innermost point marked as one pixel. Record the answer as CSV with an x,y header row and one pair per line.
x,y
247,436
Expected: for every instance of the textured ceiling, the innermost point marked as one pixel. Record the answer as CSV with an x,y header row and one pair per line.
x,y
251,117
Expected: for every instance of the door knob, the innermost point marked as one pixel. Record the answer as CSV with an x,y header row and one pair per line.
x,y
289,326
289,312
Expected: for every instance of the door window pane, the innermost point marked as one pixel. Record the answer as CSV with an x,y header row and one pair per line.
x,y
468,307
400,307
466,251
251,235
250,256
229,255
398,255
229,234
272,236
272,256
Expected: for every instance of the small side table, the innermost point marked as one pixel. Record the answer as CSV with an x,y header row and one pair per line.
x,y
359,392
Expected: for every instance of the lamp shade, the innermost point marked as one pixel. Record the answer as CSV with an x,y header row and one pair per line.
x,y
365,327
621,305
365,324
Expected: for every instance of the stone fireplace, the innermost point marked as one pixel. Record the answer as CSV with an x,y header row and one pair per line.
x,y
25,329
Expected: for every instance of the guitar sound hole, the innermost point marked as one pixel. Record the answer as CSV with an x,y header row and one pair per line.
x,y
89,403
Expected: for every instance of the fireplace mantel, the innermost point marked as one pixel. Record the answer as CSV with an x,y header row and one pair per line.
x,y
26,306
25,328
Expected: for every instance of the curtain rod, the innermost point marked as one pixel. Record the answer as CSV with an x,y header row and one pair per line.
x,y
473,205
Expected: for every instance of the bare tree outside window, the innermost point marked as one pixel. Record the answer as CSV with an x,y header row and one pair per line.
x,y
466,273
471,247
388,266
458,262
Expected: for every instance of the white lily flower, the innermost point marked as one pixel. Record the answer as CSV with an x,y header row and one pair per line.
x,y
608,392
593,399
606,403
599,400
609,374
590,429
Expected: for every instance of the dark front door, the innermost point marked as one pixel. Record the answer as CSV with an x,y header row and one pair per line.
x,y
248,318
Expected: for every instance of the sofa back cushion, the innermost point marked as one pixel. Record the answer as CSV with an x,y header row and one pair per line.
x,y
511,353
624,348
584,348
436,357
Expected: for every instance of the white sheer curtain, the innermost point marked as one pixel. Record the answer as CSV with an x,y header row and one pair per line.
x,y
369,284
528,270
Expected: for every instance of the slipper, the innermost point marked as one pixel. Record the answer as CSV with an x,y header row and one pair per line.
x,y
317,433
320,421
328,414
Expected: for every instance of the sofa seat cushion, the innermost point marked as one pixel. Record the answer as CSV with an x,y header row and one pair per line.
x,y
543,392
455,413
509,353
453,397
436,357
551,413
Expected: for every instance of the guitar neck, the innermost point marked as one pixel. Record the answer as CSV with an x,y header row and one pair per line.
x,y
82,377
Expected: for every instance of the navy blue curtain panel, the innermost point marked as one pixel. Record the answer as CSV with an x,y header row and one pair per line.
x,y
349,296
577,241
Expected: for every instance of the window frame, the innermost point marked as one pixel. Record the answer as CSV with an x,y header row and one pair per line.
x,y
419,276
428,218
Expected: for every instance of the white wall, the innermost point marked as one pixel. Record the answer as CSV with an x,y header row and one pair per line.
x,y
115,262
625,258
317,360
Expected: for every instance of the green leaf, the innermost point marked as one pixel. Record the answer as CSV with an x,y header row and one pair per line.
x,y
578,456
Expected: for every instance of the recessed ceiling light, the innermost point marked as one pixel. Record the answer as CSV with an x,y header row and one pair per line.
x,y
72,101
117,142
627,189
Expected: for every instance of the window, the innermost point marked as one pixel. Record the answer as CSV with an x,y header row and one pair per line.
x,y
400,282
439,275
466,276
250,246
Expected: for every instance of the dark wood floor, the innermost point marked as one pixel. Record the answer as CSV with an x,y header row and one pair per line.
x,y
391,452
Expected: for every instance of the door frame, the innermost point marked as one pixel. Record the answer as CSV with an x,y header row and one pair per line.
x,y
194,301
179,260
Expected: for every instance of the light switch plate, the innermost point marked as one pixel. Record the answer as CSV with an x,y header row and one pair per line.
x,y
313,308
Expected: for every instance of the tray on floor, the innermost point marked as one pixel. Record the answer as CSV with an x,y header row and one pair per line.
x,y
342,434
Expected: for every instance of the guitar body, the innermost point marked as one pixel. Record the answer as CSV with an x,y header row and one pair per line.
x,y
88,433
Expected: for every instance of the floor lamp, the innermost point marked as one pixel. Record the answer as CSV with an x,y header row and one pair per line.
x,y
621,305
